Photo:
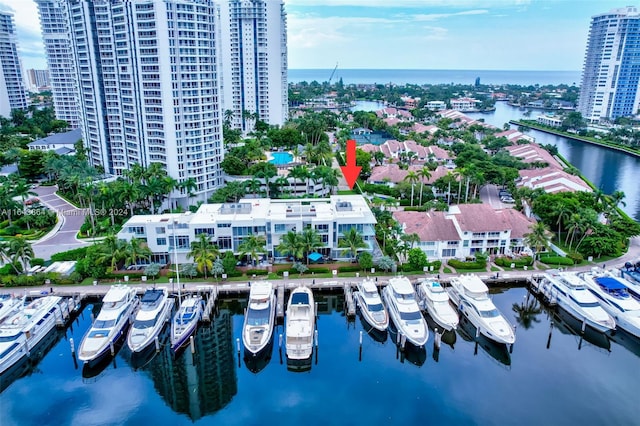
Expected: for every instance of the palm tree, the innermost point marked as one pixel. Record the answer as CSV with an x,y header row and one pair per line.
x,y
352,241
616,199
189,185
410,239
253,245
527,312
412,177
228,117
563,211
112,250
299,172
135,250
539,237
424,174
6,255
253,185
291,245
204,253
21,251
310,240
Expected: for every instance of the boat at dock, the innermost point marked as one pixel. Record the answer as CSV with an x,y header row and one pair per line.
x,y
614,297
185,321
155,310
370,304
118,308
471,296
435,300
300,324
9,305
22,331
259,318
405,312
571,293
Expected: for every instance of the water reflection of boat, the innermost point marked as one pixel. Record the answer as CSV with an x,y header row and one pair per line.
x,y
145,356
93,369
257,362
447,337
27,365
416,355
627,340
568,324
497,351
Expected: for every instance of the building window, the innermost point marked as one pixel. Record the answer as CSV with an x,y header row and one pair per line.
x,y
160,230
224,243
161,241
449,253
138,230
208,231
224,225
181,242
279,228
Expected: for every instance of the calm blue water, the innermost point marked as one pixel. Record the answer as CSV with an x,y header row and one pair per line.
x,y
369,76
280,158
561,380
607,169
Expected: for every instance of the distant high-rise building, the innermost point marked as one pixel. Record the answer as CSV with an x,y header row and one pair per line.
x,y
12,91
147,86
57,45
611,72
38,79
254,62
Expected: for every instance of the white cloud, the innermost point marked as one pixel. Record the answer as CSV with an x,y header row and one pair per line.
x,y
408,3
436,16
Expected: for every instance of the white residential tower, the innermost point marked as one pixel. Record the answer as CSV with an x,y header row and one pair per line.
x,y
12,90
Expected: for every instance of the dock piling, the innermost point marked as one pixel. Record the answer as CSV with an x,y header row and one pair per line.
x,y
192,344
157,342
360,354
349,300
280,302
112,348
73,347
437,339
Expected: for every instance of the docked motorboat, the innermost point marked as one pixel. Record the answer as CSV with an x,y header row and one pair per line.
x,y
9,305
371,306
404,311
259,318
300,324
572,295
185,321
118,308
435,300
614,297
471,295
21,332
155,310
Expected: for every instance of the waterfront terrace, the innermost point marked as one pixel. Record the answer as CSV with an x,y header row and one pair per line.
x,y
230,223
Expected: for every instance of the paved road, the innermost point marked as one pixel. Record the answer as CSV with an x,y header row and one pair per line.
x,y
70,220
489,195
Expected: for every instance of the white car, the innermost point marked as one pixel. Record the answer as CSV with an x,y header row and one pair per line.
x,y
507,200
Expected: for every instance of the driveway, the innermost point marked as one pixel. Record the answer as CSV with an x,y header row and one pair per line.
x,y
489,194
70,220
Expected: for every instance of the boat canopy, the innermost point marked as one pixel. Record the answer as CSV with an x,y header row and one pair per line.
x,y
300,299
369,286
610,283
473,285
401,285
152,296
116,294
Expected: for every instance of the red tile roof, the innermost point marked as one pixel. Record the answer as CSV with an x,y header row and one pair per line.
x,y
430,226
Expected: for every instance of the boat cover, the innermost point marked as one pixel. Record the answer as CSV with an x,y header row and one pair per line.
x,y
610,283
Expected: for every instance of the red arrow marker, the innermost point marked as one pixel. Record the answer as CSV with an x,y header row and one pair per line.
x,y
351,171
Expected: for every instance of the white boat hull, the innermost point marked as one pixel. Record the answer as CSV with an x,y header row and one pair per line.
x,y
138,340
417,336
300,326
368,317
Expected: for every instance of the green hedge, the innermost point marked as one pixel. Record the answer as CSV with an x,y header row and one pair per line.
x,y
309,272
556,260
349,269
251,272
519,263
458,264
74,254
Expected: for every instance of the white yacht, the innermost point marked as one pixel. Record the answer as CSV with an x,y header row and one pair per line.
x,y
118,307
9,305
300,324
435,300
185,321
371,306
155,310
404,310
471,295
21,332
614,298
259,317
571,294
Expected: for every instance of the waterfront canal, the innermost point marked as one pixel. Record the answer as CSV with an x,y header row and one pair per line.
x,y
559,380
607,169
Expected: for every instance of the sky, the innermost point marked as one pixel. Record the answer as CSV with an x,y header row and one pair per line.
x,y
409,34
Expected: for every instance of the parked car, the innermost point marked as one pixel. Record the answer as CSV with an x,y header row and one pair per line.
x,y
507,200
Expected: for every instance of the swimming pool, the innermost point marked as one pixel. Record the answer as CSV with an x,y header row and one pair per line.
x,y
280,158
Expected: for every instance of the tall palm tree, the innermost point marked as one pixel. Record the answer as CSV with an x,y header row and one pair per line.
x,y
564,212
310,240
412,177
424,174
253,245
6,255
204,253
351,241
616,199
21,251
291,245
136,250
189,185
112,251
539,237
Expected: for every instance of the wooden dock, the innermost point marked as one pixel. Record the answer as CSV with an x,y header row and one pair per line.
x,y
210,294
349,301
537,287
280,302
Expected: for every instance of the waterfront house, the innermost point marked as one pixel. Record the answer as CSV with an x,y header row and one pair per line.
x,y
436,105
230,223
467,229
60,143
514,136
549,120
551,180
464,104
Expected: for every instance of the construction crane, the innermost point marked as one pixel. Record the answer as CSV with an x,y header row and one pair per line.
x,y
333,73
